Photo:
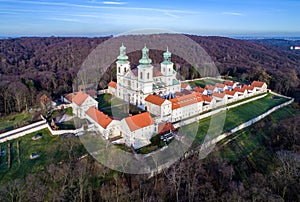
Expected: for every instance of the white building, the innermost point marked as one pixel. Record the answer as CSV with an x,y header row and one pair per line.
x,y
81,102
134,85
137,130
159,106
107,127
186,106
259,85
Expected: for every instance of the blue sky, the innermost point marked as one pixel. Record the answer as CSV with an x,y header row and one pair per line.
x,y
96,18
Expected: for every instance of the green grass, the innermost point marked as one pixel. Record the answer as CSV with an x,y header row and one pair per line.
x,y
115,107
204,82
107,100
234,117
14,121
246,148
52,149
69,111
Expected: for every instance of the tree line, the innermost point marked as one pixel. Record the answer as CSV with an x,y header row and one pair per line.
x,y
31,67
274,177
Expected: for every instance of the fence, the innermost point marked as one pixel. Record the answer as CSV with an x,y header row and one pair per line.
x,y
242,126
31,128
208,146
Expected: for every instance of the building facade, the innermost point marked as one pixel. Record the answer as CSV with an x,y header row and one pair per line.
x,y
134,85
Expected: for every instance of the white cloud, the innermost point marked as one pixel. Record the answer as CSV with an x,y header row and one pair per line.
x,y
233,13
114,2
48,3
171,15
65,19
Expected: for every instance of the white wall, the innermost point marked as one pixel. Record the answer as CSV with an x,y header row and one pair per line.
x,y
20,132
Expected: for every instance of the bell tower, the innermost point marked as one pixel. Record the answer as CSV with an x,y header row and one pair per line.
x,y
167,68
145,72
123,66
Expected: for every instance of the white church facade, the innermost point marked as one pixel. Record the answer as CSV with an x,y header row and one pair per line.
x,y
134,85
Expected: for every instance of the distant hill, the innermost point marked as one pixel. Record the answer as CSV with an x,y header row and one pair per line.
x,y
280,43
49,65
244,54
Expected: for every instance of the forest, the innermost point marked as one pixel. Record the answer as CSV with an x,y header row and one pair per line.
x,y
31,67
260,164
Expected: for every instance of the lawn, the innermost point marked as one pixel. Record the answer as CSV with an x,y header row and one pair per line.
x,y
234,117
204,82
107,100
246,147
115,107
51,149
13,121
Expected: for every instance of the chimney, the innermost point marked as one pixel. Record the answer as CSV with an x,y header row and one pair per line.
x,y
130,115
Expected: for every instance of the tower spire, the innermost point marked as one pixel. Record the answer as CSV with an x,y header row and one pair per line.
x,y
167,56
145,60
122,56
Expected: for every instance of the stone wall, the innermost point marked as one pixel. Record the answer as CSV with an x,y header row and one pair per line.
x,y
208,114
242,126
31,128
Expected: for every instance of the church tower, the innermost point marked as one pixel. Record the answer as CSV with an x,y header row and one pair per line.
x,y
123,66
145,72
167,68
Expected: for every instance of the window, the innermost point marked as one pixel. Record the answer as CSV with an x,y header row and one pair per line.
x,y
141,75
119,69
148,75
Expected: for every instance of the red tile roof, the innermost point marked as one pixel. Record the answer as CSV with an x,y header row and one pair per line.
x,y
209,87
220,85
257,84
229,83
139,121
219,95
165,127
230,92
199,90
102,119
248,87
79,98
207,98
112,84
185,100
241,90
154,99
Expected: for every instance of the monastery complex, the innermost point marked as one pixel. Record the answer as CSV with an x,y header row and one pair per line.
x,y
162,98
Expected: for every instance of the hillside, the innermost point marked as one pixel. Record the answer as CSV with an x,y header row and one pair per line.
x,y
49,65
260,162
281,43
